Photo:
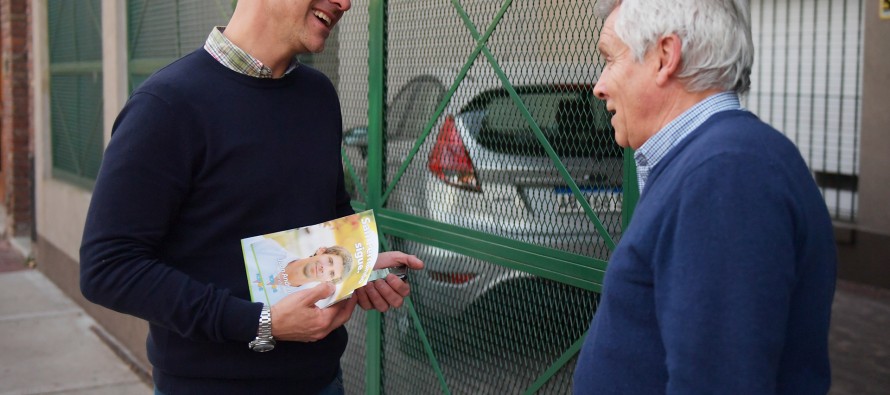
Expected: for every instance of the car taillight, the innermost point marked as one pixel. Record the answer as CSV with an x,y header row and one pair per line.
x,y
450,161
451,277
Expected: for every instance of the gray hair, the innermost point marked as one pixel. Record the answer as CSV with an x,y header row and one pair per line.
x,y
717,48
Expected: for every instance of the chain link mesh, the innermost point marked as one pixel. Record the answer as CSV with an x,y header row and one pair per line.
x,y
490,126
475,138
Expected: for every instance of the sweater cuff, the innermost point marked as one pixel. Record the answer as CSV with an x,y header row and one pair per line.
x,y
241,319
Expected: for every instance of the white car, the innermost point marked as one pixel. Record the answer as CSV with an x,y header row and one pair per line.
x,y
482,167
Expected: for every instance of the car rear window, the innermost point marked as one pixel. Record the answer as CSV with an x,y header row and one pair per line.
x,y
574,122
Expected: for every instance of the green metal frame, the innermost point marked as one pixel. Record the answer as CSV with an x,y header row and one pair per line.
x,y
147,66
572,269
376,116
67,133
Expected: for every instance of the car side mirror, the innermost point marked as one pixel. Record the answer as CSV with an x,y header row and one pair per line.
x,y
357,138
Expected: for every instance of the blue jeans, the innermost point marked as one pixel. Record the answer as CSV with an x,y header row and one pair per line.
x,y
334,388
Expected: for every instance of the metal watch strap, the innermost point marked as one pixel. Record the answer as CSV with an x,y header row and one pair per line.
x,y
264,340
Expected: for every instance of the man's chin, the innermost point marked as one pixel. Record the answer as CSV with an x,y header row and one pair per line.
x,y
621,140
316,47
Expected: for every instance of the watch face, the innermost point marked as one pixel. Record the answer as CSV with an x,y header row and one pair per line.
x,y
262,347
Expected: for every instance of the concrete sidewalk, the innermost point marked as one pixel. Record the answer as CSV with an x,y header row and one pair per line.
x,y
48,345
859,340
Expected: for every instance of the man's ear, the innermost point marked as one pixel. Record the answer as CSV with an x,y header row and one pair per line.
x,y
669,50
321,251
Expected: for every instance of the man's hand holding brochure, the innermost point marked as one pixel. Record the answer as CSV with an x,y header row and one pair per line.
x,y
303,273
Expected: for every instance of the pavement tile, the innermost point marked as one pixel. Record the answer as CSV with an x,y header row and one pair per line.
x,y
30,292
48,345
57,353
122,389
859,341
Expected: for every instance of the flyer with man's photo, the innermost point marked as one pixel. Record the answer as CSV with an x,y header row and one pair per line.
x,y
342,251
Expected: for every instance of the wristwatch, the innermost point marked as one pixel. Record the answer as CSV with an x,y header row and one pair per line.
x,y
264,341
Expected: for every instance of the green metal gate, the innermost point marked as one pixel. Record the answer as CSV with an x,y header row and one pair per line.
x,y
473,134
485,153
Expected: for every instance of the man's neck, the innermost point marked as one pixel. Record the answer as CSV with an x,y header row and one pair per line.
x,y
253,35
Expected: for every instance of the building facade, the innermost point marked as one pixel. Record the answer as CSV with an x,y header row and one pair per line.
x,y
83,61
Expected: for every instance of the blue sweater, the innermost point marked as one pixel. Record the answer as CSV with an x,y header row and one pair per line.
x,y
201,157
723,281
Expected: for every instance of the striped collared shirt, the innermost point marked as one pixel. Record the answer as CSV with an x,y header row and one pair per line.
x,y
654,149
227,53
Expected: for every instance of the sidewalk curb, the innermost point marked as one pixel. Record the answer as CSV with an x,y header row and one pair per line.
x,y
52,346
124,354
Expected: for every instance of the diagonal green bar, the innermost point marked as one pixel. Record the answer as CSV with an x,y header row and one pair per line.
x,y
557,365
480,45
376,109
420,331
358,205
534,125
426,130
350,172
565,267
134,38
426,345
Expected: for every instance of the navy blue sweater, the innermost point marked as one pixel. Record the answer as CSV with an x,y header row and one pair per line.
x,y
200,157
723,281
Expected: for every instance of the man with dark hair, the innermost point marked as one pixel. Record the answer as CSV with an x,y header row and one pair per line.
x,y
234,139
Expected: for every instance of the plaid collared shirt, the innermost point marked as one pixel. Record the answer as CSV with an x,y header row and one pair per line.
x,y
227,53
654,149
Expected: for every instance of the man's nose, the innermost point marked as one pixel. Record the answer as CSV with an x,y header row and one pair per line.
x,y
343,5
599,90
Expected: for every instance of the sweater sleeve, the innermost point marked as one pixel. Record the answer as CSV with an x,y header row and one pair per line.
x,y
142,183
724,278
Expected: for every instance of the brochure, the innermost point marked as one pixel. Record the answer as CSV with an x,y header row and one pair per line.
x,y
342,251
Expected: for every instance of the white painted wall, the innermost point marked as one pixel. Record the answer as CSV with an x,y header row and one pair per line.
x,y
806,77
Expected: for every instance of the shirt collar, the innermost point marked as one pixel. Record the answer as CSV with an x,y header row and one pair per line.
x,y
657,147
229,55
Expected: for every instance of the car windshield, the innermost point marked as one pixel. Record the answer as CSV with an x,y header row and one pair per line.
x,y
575,123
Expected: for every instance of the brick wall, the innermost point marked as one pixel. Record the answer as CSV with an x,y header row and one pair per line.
x,y
16,133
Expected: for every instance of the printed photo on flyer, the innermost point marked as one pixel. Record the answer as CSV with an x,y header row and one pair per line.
x,y
342,251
